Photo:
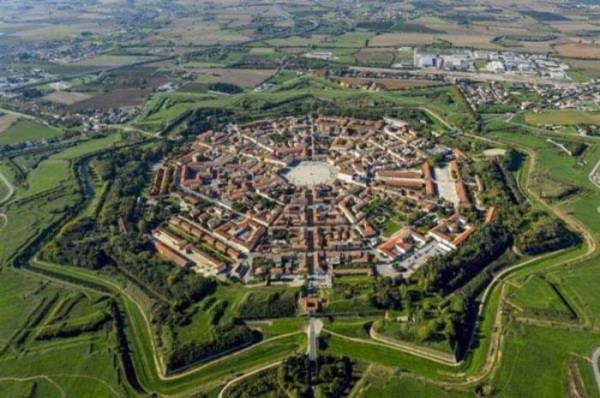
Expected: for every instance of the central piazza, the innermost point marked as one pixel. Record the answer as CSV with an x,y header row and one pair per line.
x,y
309,173
280,199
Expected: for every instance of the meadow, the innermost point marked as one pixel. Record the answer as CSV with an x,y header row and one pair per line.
x,y
72,366
563,117
27,130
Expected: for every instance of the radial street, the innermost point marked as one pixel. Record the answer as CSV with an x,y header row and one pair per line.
x,y
314,328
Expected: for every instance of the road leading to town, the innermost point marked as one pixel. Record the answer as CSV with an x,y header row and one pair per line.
x,y
315,325
596,366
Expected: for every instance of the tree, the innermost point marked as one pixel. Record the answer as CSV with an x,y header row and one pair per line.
x,y
424,333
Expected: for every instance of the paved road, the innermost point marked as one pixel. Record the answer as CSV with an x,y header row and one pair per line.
x,y
314,328
596,365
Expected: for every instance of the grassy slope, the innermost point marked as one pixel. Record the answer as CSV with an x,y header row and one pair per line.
x,y
563,117
26,130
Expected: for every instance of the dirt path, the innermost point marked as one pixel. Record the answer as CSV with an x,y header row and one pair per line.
x,y
237,379
9,194
596,366
595,171
31,378
11,189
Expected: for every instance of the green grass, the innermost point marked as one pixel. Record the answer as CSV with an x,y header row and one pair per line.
x,y
75,366
537,293
27,130
385,382
48,175
545,349
350,294
563,117
578,76
382,355
88,146
352,327
200,328
17,301
277,327
84,369
579,284
51,191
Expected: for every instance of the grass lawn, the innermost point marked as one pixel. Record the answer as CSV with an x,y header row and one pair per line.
x,y
543,349
384,382
48,175
200,328
537,293
563,117
580,285
382,355
27,130
89,146
71,366
26,219
17,300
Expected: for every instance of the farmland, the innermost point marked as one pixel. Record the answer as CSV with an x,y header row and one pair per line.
x,y
65,97
247,78
390,84
284,345
27,130
6,121
577,50
563,117
106,158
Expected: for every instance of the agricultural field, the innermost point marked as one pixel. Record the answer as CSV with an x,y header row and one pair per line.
x,y
563,117
66,97
34,359
246,78
190,31
27,130
355,39
586,69
110,61
128,97
390,84
6,120
578,50
91,306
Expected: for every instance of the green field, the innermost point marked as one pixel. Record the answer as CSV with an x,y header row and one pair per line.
x,y
538,294
73,366
563,117
26,130
48,175
385,382
49,190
